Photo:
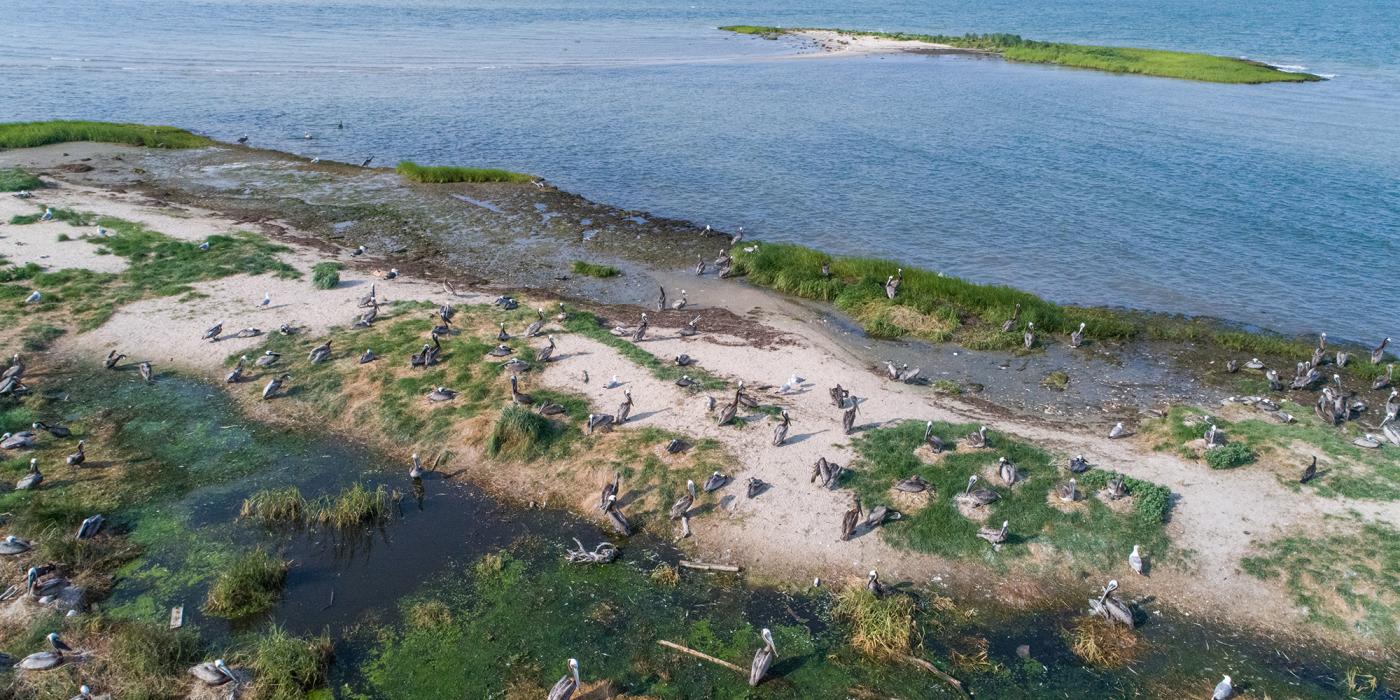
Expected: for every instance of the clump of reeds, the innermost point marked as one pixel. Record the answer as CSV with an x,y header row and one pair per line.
x,y
284,506
666,575
519,432
429,613
354,506
31,134
248,585
595,270
325,275
285,666
1103,643
443,174
881,628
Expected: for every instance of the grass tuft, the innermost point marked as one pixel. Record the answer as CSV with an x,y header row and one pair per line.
x,y
31,134
286,666
1103,643
522,433
1235,454
880,628
15,179
600,271
356,505
326,275
270,507
247,586
443,174
40,337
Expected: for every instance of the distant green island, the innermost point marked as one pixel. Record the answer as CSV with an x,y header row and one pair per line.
x,y
1112,59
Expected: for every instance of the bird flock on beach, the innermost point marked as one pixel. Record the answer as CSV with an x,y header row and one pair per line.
x,y
1335,404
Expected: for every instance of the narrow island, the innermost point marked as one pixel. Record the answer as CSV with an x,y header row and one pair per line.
x,y
1012,47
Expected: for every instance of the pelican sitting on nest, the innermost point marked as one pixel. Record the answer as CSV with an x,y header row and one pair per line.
x,y
913,484
213,674
1111,608
31,480
12,545
995,535
976,498
979,439
441,393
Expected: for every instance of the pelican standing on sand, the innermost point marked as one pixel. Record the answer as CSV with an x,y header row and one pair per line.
x,y
848,418
625,408
564,689
780,432
763,659
113,358
1076,338
850,519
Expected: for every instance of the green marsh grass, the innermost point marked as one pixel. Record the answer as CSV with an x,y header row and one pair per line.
x,y
31,134
326,275
1111,59
269,507
286,667
521,433
16,179
40,337
247,585
1235,454
1091,532
589,326
68,216
881,628
354,506
593,270
443,174
1346,579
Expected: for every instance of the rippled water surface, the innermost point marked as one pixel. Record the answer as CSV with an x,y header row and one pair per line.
x,y
1275,205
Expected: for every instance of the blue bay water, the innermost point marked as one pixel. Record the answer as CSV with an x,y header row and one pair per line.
x,y
1275,205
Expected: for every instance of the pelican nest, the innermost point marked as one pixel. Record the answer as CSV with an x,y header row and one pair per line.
x,y
1079,504
925,454
911,503
977,514
1103,643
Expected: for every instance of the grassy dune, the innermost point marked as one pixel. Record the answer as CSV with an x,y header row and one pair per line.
x,y
14,180
442,174
1111,59
30,134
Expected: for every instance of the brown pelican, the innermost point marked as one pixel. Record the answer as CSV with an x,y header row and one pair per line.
x,y
1078,465
1111,608
268,359
32,479
287,329
848,417
1028,338
1274,383
976,498
1384,381
1068,491
499,351
700,267
506,302
1379,353
934,442
1224,690
90,526
624,409
681,507
113,358
1117,431
274,386
1232,366
616,518
826,270
58,431
366,319
676,446
442,393
535,326
715,482
420,358
1115,488
1214,437
599,421
320,353
1342,358
503,336
212,333
1011,322
1007,471
1306,379
913,484
995,535
1310,473
146,372
41,661
443,328
1254,363
727,414
550,409
878,515
446,312
248,333
851,519
979,438
683,360
544,353
641,331
516,396
691,327
661,300
838,396
237,372
762,659
892,285
15,370
754,486
610,488
685,381
12,545
780,432
367,356
872,584
393,272
1077,338
680,303
77,458
1135,560
12,441
57,643
213,674
369,299
564,689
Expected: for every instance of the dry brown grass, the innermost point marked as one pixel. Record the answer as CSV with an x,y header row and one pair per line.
x,y
1103,643
972,656
429,613
666,575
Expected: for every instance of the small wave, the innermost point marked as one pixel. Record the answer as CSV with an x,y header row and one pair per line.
x,y
1289,68
70,59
